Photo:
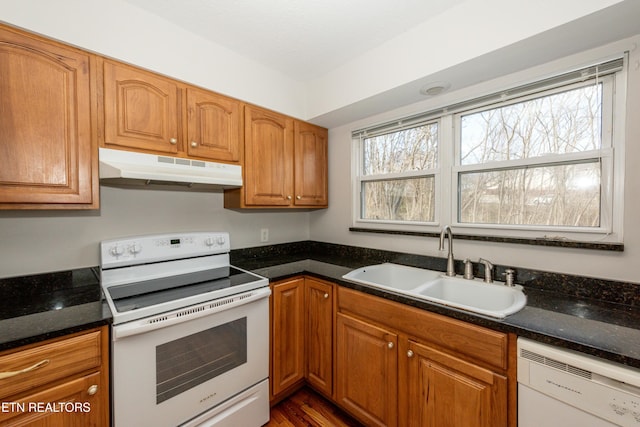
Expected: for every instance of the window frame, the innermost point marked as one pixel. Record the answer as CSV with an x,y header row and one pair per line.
x,y
360,178
446,176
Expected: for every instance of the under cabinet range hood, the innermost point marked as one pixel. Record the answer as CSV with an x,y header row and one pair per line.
x,y
130,169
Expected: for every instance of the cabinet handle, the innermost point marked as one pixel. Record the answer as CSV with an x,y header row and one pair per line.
x,y
194,144
325,296
92,390
10,374
173,141
409,353
390,344
298,197
288,197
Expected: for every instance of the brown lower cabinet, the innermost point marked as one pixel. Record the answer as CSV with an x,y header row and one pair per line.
x,y
389,364
63,382
367,371
302,313
443,390
287,336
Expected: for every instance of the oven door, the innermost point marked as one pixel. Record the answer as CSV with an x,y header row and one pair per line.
x,y
170,368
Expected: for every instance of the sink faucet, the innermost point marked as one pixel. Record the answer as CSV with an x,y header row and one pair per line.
x,y
488,270
446,230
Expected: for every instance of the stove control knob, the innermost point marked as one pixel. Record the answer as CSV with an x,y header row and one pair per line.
x,y
220,240
135,248
209,241
116,250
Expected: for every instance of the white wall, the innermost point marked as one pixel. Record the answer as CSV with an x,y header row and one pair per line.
x,y
467,31
120,30
332,225
33,242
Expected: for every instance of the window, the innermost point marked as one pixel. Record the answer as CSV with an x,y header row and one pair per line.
x,y
532,161
399,168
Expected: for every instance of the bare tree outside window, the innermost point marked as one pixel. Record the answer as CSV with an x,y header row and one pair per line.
x,y
393,188
544,159
558,193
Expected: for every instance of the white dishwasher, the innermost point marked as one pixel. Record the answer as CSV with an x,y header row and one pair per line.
x,y
562,388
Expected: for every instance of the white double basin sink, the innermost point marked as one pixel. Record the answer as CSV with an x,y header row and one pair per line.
x,y
489,299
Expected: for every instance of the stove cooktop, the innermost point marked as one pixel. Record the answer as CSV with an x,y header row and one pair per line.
x,y
147,293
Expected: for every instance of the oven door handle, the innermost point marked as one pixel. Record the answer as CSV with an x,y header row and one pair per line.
x,y
188,313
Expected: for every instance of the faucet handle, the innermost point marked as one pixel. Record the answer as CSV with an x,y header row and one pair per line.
x,y
509,274
488,270
468,269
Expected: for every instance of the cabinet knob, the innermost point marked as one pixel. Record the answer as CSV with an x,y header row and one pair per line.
x,y
298,197
288,197
325,296
173,141
390,344
194,144
92,390
409,353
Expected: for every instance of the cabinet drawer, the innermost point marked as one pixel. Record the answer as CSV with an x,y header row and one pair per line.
x,y
25,369
78,402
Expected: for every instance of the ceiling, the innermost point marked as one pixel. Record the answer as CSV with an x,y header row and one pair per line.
x,y
302,38
308,40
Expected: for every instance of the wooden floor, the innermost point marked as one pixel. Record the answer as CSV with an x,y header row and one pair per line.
x,y
307,408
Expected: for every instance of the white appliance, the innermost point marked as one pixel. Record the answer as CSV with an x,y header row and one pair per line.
x,y
128,168
190,337
561,388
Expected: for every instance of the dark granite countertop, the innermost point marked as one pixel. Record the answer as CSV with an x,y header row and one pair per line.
x,y
38,307
601,329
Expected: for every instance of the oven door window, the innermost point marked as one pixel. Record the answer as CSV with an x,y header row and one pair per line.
x,y
197,358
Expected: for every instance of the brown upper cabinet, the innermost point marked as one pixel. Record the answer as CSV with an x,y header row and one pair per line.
x,y
141,110
148,112
59,103
285,163
310,165
48,145
213,126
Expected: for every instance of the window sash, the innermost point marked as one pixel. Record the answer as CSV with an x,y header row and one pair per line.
x,y
447,175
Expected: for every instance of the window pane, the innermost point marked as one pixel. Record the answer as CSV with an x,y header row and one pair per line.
x,y
559,195
565,122
403,151
410,199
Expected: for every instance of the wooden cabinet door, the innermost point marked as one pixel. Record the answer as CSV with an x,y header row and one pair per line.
x,y
213,126
320,297
81,402
268,162
141,110
47,147
310,165
287,333
444,391
366,371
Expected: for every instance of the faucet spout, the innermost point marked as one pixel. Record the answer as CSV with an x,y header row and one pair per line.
x,y
446,231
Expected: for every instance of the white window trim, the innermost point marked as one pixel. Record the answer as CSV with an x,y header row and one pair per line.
x,y
446,176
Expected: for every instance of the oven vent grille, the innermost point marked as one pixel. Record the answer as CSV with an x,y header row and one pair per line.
x,y
201,308
535,357
230,300
158,319
190,311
